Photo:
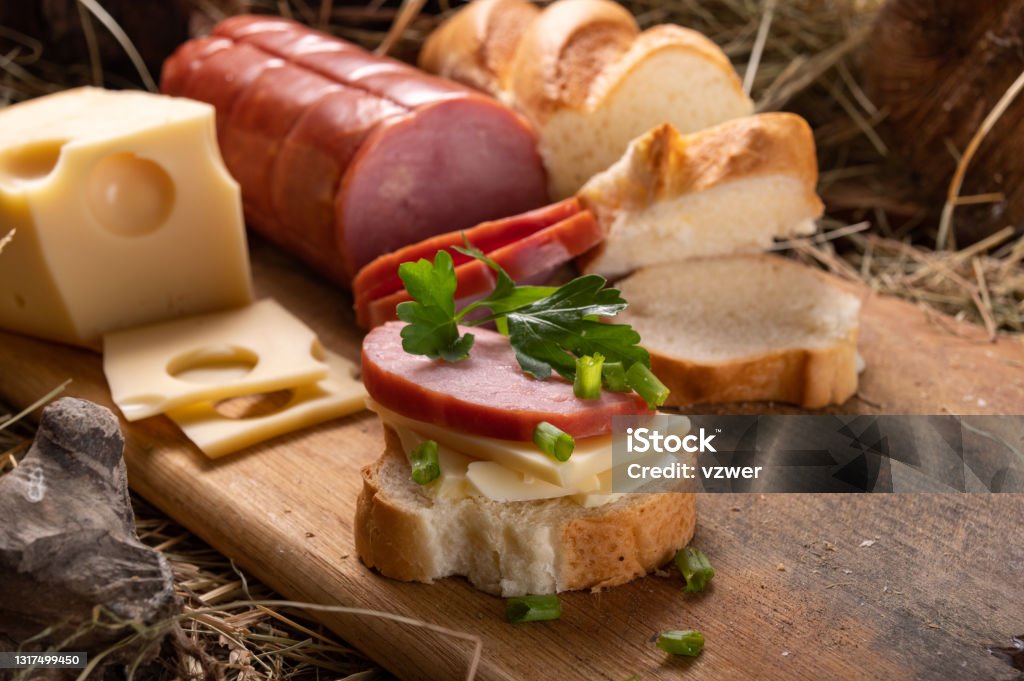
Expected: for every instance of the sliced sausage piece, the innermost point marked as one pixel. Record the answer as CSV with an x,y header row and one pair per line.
x,y
486,394
382,76
414,156
263,116
380,277
217,74
310,165
535,254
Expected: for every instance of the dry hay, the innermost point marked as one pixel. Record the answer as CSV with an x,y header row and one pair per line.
x,y
798,55
231,628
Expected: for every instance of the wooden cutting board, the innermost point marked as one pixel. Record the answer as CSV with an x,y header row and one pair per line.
x,y
799,592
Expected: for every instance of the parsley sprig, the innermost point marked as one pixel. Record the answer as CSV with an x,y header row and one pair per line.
x,y
548,327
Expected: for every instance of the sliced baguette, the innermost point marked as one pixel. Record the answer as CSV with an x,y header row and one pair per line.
x,y
728,189
513,548
587,78
746,327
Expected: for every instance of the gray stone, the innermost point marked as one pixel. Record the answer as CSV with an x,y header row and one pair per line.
x,y
67,537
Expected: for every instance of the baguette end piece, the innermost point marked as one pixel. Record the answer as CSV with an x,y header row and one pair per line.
x,y
729,189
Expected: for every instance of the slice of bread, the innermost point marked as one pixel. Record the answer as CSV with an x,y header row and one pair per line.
x,y
728,189
746,327
512,548
587,78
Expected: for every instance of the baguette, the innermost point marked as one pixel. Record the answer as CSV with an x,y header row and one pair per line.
x,y
512,548
746,327
728,189
587,78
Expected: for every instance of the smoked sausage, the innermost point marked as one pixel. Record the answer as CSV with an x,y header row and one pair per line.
x,y
343,156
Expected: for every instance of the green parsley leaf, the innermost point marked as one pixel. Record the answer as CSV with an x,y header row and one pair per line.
x,y
550,333
506,296
432,328
504,285
548,327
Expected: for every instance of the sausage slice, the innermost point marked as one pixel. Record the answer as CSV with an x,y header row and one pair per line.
x,y
485,394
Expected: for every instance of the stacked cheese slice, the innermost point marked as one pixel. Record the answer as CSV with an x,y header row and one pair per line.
x,y
198,371
509,470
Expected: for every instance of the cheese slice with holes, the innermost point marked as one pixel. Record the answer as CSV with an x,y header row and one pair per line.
x,y
338,395
255,349
124,214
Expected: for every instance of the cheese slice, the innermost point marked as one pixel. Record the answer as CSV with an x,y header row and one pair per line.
x,y
256,349
506,470
590,457
496,482
462,477
340,394
124,212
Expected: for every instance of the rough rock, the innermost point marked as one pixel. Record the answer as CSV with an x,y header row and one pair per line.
x,y
68,542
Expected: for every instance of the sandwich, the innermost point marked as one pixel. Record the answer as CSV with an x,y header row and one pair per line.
x,y
497,462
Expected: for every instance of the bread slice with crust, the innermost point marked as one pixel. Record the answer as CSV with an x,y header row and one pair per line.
x,y
512,548
587,78
746,327
729,189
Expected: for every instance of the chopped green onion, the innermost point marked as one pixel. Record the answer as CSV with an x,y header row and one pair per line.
x,y
553,441
425,466
532,608
646,384
688,642
587,385
696,569
614,377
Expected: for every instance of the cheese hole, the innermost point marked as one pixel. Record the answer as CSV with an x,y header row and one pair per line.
x,y
253,406
128,195
31,162
213,365
317,351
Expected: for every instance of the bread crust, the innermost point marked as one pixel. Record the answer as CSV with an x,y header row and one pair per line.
x,y
389,537
564,51
663,163
600,547
572,54
812,377
477,44
611,549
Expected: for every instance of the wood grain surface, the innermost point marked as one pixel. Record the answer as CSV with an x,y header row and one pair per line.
x,y
799,593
